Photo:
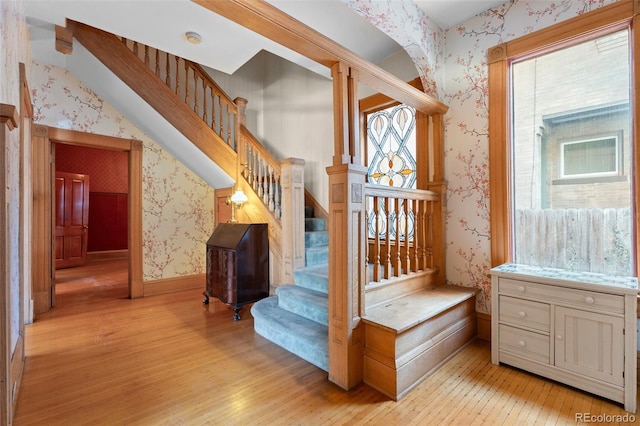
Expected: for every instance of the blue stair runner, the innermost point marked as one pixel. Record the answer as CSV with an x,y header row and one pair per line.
x,y
296,318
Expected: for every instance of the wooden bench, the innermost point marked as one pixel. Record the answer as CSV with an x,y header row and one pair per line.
x,y
409,337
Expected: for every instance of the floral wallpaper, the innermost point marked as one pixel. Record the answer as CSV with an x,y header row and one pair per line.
x,y
412,29
14,42
465,90
178,207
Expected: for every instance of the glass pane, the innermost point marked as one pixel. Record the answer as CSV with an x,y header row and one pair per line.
x,y
391,147
571,140
596,157
391,153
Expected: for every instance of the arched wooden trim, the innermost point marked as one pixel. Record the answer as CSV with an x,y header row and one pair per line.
x,y
619,14
134,149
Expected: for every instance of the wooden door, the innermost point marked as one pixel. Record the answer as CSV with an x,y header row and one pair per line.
x,y
72,219
223,210
590,344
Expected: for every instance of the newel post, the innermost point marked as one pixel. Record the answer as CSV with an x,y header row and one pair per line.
x,y
241,150
292,219
347,219
347,273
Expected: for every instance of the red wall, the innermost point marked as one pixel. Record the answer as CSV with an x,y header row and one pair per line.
x,y
108,193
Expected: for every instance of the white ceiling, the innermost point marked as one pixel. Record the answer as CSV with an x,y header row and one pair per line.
x,y
225,45
448,13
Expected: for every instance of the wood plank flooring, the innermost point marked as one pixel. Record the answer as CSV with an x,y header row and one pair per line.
x,y
99,358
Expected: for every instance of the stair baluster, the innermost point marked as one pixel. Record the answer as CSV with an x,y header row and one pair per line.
x,y
178,76
168,71
407,239
376,247
204,102
157,63
403,230
387,239
397,262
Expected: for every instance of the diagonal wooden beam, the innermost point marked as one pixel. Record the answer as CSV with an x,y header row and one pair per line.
x,y
269,21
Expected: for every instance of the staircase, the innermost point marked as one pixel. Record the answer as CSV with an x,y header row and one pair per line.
x,y
296,318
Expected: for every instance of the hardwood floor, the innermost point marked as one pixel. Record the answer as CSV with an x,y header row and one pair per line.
x,y
99,358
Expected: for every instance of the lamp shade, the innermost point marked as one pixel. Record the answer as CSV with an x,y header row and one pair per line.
x,y
239,197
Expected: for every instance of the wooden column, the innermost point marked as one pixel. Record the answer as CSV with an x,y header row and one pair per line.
x,y
241,147
241,103
136,284
347,221
439,213
9,120
346,140
347,273
292,220
42,228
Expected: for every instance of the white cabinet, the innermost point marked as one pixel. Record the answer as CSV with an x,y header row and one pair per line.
x,y
574,327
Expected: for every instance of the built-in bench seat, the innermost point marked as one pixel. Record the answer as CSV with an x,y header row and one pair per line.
x,y
409,337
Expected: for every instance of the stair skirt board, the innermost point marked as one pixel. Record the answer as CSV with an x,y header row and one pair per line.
x,y
303,337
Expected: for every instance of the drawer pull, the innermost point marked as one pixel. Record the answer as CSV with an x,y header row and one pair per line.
x,y
521,288
589,300
522,343
522,314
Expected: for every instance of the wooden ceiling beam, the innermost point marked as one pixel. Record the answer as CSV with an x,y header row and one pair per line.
x,y
270,22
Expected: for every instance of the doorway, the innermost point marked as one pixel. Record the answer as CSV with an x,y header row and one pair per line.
x,y
51,136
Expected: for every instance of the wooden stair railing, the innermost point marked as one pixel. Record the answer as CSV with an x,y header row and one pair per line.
x,y
110,50
400,234
261,171
194,86
188,98
191,83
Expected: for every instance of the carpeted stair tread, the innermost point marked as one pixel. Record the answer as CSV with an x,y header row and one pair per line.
x,y
316,239
306,338
314,224
308,211
314,277
317,255
305,302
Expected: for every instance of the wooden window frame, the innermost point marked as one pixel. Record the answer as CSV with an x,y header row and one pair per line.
x,y
378,102
619,15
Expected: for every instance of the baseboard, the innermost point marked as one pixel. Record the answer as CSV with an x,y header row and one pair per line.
x,y
484,326
17,367
107,254
172,285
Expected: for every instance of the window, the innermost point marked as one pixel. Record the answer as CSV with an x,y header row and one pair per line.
x,y
391,147
391,159
561,146
588,158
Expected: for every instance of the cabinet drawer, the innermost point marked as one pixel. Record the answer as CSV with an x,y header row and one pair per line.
x,y
524,313
591,300
525,343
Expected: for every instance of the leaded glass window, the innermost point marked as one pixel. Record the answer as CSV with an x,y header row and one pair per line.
x,y
391,140
391,153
